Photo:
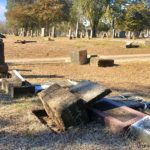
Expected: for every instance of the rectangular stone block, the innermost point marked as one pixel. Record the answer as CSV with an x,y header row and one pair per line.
x,y
79,57
106,63
117,118
2,58
64,108
18,91
3,67
94,61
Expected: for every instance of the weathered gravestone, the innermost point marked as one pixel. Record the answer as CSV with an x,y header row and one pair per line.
x,y
43,32
122,34
97,62
3,65
64,108
79,57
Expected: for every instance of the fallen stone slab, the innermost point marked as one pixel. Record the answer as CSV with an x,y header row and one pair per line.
x,y
64,108
24,42
106,63
2,36
116,117
90,91
141,129
131,45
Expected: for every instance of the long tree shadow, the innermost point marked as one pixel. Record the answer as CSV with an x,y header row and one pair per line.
x,y
42,76
139,90
93,134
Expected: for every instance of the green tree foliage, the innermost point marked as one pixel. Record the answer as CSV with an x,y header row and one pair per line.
x,y
93,10
90,9
39,13
137,18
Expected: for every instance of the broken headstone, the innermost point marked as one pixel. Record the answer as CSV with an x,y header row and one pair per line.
x,y
90,91
131,45
64,108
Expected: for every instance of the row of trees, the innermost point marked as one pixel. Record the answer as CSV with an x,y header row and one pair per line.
x,y
128,15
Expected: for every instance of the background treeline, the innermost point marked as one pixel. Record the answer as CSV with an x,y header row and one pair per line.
x,y
78,15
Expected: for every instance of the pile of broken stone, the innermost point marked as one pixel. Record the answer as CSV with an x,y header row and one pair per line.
x,y
72,103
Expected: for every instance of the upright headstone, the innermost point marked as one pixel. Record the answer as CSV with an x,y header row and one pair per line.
x,y
79,57
3,65
31,33
53,34
122,34
43,33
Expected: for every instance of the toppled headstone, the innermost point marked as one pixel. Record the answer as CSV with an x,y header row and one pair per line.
x,y
118,118
2,36
97,62
48,39
79,57
131,45
141,129
106,63
90,91
24,41
64,108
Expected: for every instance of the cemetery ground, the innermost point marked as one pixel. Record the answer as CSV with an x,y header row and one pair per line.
x,y
62,47
19,129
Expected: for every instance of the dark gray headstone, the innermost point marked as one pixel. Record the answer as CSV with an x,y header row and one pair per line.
x,y
122,34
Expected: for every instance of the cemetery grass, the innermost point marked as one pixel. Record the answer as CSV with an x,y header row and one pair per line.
x,y
20,129
62,47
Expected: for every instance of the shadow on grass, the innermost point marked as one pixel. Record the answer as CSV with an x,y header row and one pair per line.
x,y
139,90
42,76
91,136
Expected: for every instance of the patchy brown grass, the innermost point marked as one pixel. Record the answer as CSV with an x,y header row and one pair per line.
x,y
62,47
19,129
134,77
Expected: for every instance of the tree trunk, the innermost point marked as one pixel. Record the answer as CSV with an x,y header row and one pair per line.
x,y
136,34
94,31
77,30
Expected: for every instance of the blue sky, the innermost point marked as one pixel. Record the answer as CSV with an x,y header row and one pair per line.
x,y
2,9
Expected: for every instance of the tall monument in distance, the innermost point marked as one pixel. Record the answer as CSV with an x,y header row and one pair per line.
x,y
3,65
